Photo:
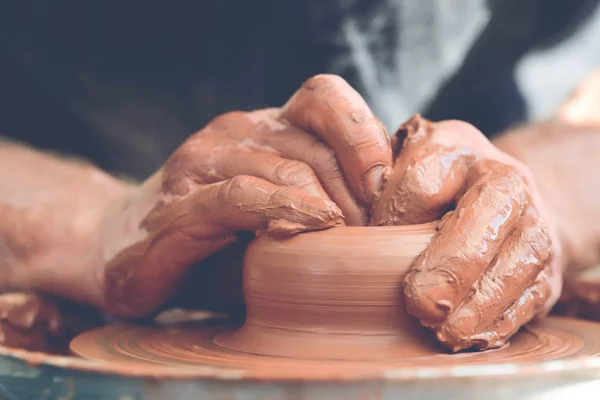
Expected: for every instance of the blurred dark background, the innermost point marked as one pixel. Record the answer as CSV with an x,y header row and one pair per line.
x,y
124,83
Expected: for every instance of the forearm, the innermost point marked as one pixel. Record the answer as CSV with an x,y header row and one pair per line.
x,y
565,163
52,213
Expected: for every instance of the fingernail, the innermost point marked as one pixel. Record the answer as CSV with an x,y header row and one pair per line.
x,y
373,182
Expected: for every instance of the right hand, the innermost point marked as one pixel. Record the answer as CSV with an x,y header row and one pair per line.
x,y
314,163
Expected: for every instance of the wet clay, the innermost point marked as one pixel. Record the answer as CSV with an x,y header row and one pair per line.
x,y
327,305
334,294
492,267
191,352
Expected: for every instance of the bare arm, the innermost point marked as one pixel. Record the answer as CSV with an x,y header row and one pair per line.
x,y
563,154
51,210
564,158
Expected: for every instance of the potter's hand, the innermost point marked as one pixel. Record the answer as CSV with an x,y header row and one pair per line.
x,y
38,322
494,264
29,321
285,170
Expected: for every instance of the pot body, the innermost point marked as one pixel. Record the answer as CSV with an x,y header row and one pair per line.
x,y
333,294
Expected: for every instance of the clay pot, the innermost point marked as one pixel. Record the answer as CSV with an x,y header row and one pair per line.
x,y
333,294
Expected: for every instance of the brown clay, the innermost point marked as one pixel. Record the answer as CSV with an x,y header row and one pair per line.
x,y
321,305
494,265
179,352
316,162
334,294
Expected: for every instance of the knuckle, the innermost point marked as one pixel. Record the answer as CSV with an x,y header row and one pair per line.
x,y
425,191
511,181
185,155
233,125
460,130
512,175
372,135
228,118
324,82
234,190
178,169
360,115
503,183
239,182
460,135
538,239
502,176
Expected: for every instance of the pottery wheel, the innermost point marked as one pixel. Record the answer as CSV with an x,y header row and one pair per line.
x,y
554,339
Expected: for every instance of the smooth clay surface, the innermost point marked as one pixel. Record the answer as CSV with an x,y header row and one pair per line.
x,y
333,294
322,306
190,352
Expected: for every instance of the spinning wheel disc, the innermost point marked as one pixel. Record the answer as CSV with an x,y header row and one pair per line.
x,y
553,339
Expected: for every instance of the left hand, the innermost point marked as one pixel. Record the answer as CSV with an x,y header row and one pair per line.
x,y
314,163
495,263
37,322
29,321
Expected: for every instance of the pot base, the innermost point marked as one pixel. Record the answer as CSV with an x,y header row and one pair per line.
x,y
193,348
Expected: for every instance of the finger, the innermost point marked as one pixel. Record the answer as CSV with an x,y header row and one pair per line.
x,y
137,281
515,268
427,174
271,167
324,163
526,309
260,132
245,203
328,107
249,203
445,273
294,144
200,224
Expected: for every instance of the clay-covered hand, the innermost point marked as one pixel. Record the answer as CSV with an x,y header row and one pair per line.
x,y
315,162
494,264
29,321
38,322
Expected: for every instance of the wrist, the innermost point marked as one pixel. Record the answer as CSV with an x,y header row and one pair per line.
x,y
554,152
125,240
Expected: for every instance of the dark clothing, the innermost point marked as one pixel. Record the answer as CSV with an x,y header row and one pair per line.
x,y
124,84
